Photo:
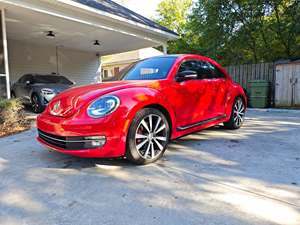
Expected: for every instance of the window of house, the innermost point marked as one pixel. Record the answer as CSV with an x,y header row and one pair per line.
x,y
105,73
116,71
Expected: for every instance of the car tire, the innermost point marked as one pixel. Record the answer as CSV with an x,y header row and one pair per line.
x,y
237,115
148,136
13,95
36,104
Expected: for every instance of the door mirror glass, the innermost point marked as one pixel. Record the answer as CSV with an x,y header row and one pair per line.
x,y
186,75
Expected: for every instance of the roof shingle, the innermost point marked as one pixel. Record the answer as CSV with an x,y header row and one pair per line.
x,y
119,10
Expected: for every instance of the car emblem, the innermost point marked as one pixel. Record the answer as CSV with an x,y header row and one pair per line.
x,y
56,109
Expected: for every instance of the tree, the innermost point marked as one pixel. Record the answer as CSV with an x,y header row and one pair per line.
x,y
173,14
241,31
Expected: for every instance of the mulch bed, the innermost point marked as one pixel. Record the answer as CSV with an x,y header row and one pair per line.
x,y
17,129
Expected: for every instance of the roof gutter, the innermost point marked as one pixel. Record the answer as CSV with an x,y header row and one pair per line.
x,y
119,19
39,9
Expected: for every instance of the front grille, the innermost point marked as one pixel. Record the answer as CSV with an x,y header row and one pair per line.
x,y
66,143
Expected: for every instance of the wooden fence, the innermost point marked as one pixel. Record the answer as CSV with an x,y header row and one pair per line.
x,y
262,71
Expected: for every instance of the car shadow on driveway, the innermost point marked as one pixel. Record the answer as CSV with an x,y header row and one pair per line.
x,y
214,176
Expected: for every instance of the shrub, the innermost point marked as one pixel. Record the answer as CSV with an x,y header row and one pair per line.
x,y
12,117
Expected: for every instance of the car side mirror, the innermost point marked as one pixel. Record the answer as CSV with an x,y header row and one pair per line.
x,y
28,82
186,75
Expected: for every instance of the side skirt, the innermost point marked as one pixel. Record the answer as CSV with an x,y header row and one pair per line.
x,y
200,123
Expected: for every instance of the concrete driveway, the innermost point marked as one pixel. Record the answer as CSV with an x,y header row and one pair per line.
x,y
249,176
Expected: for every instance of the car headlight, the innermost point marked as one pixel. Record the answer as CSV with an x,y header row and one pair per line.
x,y
103,106
47,91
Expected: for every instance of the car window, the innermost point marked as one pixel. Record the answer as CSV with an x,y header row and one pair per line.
x,y
150,69
24,78
27,77
204,69
51,79
200,67
21,80
215,72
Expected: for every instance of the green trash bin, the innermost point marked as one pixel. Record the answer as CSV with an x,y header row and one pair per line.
x,y
258,91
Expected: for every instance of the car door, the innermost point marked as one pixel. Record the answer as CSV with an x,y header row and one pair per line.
x,y
191,96
24,87
218,90
17,87
28,86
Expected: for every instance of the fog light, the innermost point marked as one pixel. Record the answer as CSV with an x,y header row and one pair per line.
x,y
96,141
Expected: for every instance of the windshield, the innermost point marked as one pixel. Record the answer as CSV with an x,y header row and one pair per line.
x,y
149,69
52,79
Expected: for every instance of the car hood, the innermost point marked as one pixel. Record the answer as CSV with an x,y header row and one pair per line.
x,y
72,99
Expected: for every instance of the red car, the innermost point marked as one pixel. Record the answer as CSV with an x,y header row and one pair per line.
x,y
156,100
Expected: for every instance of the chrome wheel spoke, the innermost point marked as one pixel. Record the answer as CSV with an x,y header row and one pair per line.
x,y
140,136
242,109
150,123
152,150
145,125
141,144
161,138
157,124
147,151
160,129
159,145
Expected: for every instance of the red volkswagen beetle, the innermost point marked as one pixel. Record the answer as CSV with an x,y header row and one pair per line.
x,y
156,100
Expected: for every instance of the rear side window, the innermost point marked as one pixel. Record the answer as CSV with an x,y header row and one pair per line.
x,y
204,69
214,71
23,79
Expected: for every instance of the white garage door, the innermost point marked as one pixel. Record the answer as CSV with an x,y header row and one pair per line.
x,y
81,67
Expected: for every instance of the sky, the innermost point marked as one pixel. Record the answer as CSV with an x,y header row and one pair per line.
x,y
146,8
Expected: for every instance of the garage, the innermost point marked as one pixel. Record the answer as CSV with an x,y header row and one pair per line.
x,y
68,37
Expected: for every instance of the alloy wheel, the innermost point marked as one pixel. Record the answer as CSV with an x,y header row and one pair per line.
x,y
239,112
151,136
35,103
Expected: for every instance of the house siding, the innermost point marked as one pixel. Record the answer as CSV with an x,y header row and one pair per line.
x,y
81,67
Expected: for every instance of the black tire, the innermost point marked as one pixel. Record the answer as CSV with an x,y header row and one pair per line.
x,y
36,104
237,115
155,136
13,95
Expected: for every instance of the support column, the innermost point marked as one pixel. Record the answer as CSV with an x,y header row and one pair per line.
x,y
165,49
5,52
99,78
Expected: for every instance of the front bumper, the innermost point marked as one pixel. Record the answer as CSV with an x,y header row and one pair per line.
x,y
87,138
72,143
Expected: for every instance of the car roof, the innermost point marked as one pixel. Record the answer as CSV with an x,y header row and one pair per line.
x,y
181,56
37,74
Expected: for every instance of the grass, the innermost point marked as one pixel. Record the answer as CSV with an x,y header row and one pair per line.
x,y
12,117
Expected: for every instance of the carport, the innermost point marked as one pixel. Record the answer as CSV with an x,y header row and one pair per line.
x,y
67,37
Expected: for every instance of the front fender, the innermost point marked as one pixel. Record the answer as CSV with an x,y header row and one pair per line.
x,y
135,99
